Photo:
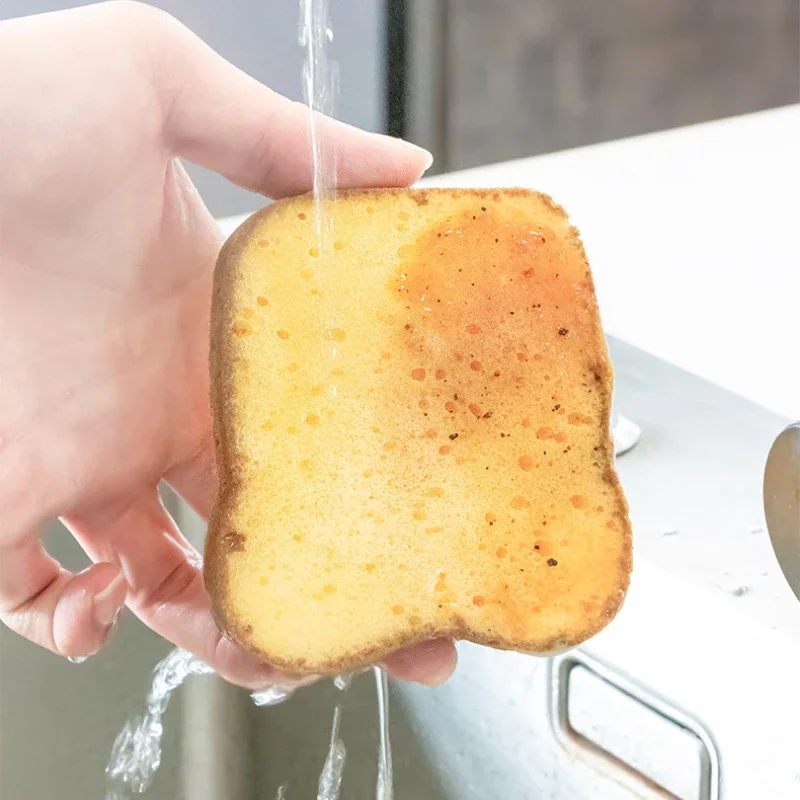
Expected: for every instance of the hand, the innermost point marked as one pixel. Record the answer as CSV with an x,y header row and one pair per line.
x,y
106,259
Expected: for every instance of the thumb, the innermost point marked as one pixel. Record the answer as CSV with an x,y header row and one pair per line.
x,y
221,118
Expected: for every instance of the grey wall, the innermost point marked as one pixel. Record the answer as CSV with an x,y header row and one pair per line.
x,y
524,77
260,37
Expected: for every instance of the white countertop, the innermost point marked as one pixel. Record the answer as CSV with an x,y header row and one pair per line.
x,y
692,237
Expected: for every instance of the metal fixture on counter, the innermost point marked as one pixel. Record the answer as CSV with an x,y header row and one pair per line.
x,y
626,434
782,502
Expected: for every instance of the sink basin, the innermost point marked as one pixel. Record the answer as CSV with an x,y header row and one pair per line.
x,y
708,615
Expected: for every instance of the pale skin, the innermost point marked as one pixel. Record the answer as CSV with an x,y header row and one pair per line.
x,y
106,259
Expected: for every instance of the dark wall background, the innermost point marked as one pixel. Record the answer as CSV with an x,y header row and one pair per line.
x,y
522,77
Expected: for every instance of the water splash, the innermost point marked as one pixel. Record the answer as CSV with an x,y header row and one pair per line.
x,y
342,682
136,754
330,779
385,785
271,696
320,86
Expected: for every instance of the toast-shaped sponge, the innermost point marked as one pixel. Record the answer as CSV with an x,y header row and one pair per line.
x,y
412,428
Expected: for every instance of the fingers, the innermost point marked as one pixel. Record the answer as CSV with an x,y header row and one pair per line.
x,y
71,615
429,663
164,574
218,116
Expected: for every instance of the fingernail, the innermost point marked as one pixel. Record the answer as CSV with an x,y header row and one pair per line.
x,y
426,155
428,160
438,677
108,604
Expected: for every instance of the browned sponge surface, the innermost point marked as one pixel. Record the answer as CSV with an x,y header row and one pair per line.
x,y
412,425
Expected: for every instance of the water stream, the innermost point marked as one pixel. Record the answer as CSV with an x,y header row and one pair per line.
x,y
136,754
385,786
330,779
320,86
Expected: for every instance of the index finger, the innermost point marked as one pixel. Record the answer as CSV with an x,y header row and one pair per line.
x,y
225,120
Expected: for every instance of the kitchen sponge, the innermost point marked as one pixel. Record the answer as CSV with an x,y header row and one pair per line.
x,y
412,430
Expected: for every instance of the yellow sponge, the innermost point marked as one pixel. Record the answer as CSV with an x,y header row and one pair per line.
x,y
412,426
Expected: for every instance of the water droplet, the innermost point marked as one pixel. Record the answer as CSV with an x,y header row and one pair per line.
x,y
329,34
77,659
741,591
342,682
337,334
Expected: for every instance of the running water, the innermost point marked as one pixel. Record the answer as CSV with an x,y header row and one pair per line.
x,y
136,754
385,785
330,779
320,85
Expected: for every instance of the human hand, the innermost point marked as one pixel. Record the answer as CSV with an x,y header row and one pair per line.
x,y
106,260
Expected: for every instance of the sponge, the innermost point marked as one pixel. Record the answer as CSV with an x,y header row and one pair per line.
x,y
412,430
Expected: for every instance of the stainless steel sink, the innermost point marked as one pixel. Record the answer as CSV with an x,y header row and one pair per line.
x,y
696,691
